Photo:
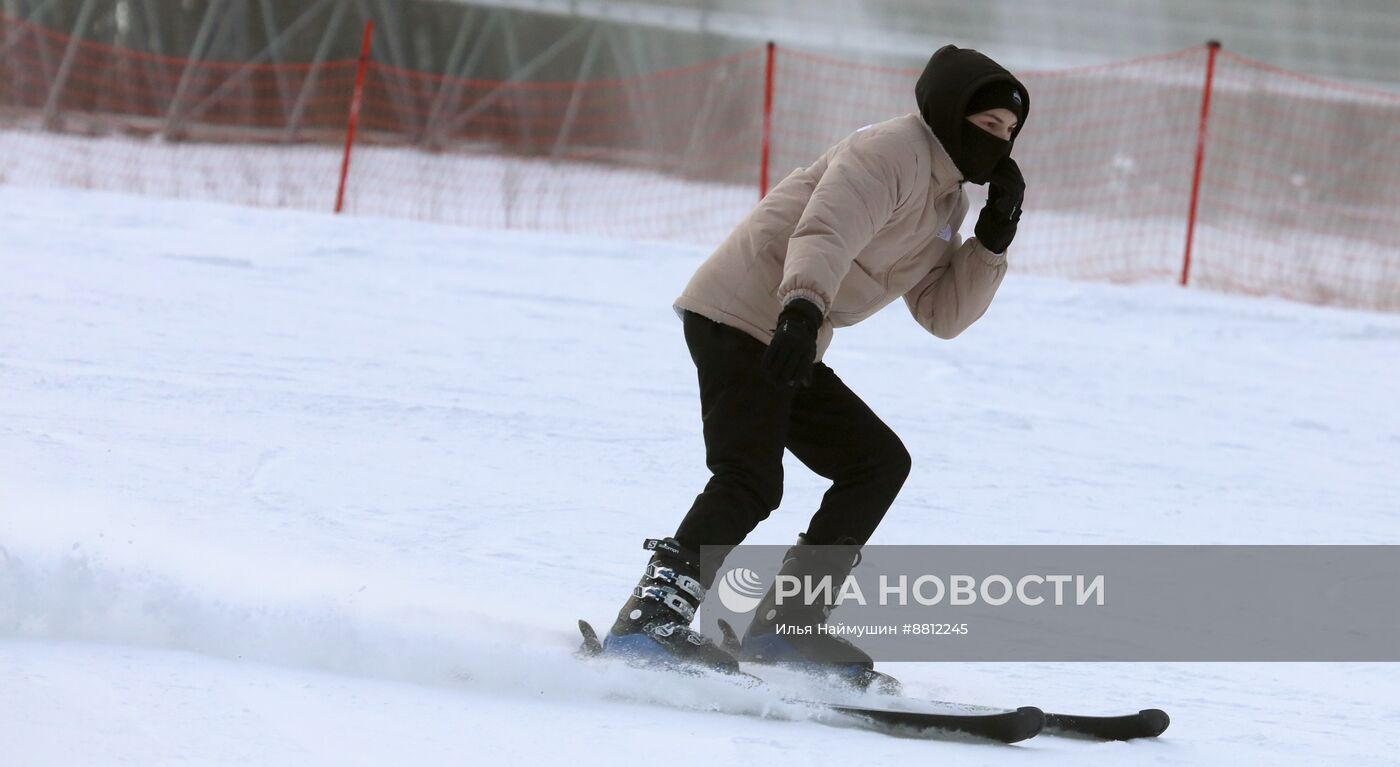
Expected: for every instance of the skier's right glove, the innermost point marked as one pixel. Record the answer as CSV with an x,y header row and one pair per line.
x,y
996,225
793,351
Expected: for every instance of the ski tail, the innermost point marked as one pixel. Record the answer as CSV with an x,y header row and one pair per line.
x,y
729,639
591,646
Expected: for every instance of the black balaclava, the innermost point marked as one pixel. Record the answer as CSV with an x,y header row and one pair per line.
x,y
945,91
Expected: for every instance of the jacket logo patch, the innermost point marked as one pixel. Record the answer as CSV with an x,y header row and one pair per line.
x,y
946,233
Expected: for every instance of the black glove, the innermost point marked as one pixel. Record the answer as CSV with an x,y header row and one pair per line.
x,y
793,350
996,225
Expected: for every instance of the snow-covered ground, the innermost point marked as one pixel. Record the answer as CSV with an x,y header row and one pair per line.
x,y
474,186
284,488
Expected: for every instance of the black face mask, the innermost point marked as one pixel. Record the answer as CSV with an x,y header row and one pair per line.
x,y
981,151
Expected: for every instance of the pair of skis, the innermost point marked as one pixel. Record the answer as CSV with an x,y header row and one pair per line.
x,y
955,719
1008,726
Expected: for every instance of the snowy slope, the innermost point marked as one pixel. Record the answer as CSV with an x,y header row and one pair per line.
x,y
282,488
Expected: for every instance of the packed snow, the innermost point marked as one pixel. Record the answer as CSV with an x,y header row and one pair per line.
x,y
284,488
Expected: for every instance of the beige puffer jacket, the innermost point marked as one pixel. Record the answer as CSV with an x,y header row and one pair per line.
x,y
875,218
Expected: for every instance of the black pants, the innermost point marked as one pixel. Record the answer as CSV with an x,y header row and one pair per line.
x,y
747,424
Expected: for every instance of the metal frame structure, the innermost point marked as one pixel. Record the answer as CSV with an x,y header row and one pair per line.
x,y
1353,40
487,42
513,40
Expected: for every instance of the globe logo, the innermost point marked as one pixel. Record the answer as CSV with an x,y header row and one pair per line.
x,y
740,590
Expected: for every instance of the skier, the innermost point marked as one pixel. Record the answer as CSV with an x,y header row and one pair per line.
x,y
875,218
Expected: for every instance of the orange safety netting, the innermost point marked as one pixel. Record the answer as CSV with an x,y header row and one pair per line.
x,y
1298,192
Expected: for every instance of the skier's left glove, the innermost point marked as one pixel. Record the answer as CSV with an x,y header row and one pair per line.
x,y
996,225
793,350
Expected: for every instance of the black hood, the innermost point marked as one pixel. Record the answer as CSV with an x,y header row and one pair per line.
x,y
949,79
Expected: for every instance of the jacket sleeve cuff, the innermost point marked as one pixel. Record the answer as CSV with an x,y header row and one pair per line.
x,y
809,295
987,256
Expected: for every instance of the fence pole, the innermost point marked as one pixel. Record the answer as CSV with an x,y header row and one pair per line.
x,y
767,121
354,119
1213,48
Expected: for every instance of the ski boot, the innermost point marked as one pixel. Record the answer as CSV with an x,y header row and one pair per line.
x,y
654,625
817,653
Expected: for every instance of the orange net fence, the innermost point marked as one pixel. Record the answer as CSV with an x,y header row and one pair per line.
x,y
1300,191
1297,192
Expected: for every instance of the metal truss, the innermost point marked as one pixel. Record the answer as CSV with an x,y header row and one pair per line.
x,y
491,42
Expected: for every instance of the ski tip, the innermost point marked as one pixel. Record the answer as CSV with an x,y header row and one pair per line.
x,y
1154,721
1003,726
1028,724
1146,723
